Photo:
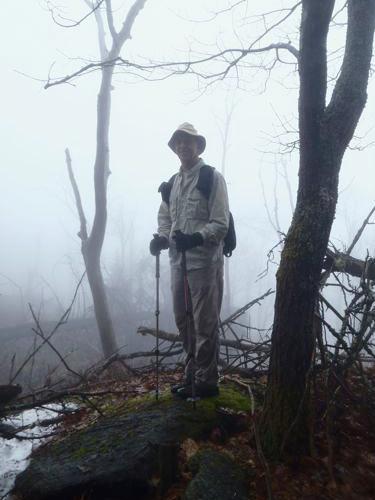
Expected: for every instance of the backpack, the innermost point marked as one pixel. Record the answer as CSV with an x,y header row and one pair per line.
x,y
204,184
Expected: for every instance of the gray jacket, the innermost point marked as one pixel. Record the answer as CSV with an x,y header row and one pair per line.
x,y
191,212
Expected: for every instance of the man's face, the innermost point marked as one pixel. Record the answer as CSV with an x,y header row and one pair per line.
x,y
187,148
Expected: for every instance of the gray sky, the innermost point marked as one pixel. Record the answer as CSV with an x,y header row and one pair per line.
x,y
38,220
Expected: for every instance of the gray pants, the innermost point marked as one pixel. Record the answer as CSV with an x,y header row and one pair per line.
x,y
201,334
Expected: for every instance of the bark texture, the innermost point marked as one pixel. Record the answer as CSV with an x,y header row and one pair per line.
x,y
325,132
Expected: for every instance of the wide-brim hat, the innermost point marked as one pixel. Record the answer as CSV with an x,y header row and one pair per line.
x,y
187,128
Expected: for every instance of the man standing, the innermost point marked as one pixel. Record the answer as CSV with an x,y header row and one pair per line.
x,y
193,220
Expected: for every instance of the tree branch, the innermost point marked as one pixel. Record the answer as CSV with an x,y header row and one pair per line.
x,y
350,92
101,35
274,25
63,319
111,24
125,32
93,8
316,17
247,306
344,263
83,230
360,231
241,345
39,331
178,67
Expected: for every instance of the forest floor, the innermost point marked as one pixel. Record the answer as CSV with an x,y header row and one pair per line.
x,y
340,466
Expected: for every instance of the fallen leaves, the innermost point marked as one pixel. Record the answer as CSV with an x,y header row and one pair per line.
x,y
347,475
189,447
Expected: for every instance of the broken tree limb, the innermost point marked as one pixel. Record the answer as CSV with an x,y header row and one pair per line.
x,y
356,238
242,345
343,263
247,306
243,372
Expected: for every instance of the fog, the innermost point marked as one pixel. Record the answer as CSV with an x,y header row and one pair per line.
x,y
40,259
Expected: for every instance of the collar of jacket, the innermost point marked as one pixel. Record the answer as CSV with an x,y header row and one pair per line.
x,y
193,170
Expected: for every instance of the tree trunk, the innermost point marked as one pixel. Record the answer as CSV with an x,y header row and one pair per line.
x,y
226,306
324,135
92,245
101,307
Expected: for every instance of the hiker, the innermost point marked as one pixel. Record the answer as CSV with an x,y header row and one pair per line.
x,y
193,220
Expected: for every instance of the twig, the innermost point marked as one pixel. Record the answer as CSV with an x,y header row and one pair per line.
x,y
39,331
64,318
83,229
360,231
74,23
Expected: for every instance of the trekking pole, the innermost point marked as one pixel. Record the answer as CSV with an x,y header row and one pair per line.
x,y
188,312
157,312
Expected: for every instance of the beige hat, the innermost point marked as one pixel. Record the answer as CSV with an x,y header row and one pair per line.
x,y
187,128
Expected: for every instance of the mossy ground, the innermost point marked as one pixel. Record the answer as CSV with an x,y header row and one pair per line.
x,y
121,450
133,453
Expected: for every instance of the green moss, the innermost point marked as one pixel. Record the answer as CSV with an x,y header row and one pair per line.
x,y
79,453
180,419
123,446
230,396
233,398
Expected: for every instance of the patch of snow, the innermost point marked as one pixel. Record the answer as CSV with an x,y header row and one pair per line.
x,y
14,453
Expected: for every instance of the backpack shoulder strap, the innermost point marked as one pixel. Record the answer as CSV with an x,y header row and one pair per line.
x,y
205,180
165,189
204,184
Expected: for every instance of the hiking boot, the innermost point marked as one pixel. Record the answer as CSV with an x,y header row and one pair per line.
x,y
182,385
202,390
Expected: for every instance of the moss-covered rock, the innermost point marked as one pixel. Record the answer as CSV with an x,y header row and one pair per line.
x,y
217,477
126,454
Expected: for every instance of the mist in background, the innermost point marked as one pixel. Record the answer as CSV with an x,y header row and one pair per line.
x,y
40,258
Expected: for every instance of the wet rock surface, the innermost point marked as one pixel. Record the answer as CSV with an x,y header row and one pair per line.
x,y
216,477
126,455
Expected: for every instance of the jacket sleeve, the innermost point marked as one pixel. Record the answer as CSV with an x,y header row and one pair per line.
x,y
218,206
164,220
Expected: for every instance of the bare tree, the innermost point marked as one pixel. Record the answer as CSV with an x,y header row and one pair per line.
x,y
224,130
92,242
325,132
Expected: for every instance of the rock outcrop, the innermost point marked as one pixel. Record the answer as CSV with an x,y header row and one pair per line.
x,y
129,454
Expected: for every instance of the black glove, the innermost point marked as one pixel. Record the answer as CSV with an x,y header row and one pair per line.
x,y
158,243
187,241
